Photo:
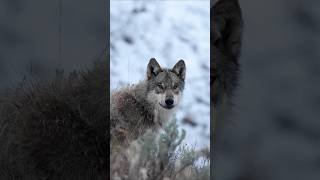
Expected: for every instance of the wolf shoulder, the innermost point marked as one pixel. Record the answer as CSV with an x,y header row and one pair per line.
x,y
127,105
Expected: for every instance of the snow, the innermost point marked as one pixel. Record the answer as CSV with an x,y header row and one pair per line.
x,y
168,31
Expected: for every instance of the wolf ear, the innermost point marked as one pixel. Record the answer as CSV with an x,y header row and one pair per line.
x,y
153,68
180,69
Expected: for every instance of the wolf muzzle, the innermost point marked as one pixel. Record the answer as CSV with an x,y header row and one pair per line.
x,y
169,103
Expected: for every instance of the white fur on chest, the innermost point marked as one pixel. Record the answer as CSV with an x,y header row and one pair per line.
x,y
162,115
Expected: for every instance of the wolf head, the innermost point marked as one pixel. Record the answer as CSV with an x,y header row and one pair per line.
x,y
165,86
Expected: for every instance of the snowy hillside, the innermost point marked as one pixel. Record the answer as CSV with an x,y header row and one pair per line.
x,y
168,31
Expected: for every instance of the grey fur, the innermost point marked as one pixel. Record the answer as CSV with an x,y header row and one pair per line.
x,y
137,108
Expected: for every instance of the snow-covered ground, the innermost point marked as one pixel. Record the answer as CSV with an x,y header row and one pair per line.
x,y
168,31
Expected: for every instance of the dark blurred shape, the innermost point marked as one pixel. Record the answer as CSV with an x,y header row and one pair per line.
x,y
57,129
285,122
127,39
275,131
305,18
189,120
139,10
225,47
53,126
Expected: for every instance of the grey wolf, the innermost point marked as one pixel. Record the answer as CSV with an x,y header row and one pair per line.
x,y
57,129
148,104
226,39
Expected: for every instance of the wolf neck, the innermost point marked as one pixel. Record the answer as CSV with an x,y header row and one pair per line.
x,y
162,115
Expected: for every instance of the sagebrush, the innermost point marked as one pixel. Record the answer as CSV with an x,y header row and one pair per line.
x,y
160,157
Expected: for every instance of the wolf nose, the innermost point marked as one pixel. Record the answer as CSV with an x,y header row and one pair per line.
x,y
169,102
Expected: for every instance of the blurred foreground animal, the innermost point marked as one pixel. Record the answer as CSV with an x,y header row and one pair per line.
x,y
57,129
146,105
225,44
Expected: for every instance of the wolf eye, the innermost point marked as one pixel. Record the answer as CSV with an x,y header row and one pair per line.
x,y
175,86
160,85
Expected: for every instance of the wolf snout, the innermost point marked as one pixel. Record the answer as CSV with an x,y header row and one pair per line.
x,y
169,101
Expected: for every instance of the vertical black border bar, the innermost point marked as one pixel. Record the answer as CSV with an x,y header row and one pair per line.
x,y
109,70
